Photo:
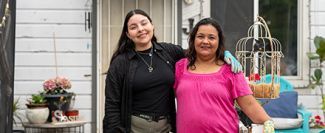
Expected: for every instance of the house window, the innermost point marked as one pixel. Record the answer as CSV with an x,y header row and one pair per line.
x,y
281,16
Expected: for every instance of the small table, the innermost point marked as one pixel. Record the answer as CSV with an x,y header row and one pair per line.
x,y
60,127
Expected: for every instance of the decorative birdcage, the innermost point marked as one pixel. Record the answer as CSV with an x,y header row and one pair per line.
x,y
260,56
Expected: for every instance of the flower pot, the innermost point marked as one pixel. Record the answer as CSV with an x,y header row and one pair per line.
x,y
32,106
37,115
72,115
58,102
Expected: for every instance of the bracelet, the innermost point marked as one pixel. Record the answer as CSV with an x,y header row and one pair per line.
x,y
268,126
269,123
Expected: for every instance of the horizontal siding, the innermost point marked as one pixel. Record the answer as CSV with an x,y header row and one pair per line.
x,y
82,102
317,31
46,45
47,30
317,18
50,16
48,59
30,87
43,73
36,22
53,4
309,98
312,100
317,5
305,100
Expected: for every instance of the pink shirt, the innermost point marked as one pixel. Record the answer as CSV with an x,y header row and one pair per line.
x,y
205,102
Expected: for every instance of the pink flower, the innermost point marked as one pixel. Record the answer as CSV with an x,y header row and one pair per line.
x,y
57,85
63,82
316,122
322,123
49,85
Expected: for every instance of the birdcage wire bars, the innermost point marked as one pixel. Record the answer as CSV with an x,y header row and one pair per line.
x,y
260,56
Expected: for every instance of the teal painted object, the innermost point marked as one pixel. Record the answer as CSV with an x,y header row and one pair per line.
x,y
317,130
285,85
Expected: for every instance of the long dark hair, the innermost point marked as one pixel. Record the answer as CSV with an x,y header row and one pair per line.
x,y
125,43
191,53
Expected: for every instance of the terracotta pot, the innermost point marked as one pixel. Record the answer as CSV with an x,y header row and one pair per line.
x,y
31,106
73,115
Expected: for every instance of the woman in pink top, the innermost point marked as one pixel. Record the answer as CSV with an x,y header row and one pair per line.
x,y
206,89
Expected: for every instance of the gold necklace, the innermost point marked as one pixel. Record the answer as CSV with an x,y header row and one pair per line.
x,y
150,68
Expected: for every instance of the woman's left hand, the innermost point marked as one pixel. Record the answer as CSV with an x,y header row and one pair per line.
x,y
236,67
268,126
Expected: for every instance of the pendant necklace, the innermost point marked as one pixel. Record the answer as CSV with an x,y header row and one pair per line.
x,y
150,68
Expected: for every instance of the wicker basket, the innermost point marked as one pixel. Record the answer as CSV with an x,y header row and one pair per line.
x,y
265,90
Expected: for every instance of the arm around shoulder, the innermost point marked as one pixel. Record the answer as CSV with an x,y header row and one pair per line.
x,y
176,51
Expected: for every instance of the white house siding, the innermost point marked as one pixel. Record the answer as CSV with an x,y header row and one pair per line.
x,y
197,9
317,15
311,99
37,20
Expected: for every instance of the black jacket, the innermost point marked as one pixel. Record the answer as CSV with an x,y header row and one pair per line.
x,y
118,89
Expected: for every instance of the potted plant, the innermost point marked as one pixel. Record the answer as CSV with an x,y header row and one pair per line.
x,y
56,94
37,110
15,108
16,116
316,124
316,79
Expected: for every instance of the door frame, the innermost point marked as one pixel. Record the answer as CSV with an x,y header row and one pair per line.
x,y
98,99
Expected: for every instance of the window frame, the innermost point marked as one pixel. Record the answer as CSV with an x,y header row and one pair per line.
x,y
302,78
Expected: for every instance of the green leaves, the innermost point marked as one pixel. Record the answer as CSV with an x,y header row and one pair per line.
x,y
321,51
37,99
16,114
312,55
319,43
317,77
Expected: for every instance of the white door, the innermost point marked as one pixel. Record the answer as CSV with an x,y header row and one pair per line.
x,y
111,17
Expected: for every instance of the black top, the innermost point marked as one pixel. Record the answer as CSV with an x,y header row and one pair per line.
x,y
150,89
120,83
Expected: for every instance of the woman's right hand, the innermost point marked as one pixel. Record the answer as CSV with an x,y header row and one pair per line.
x,y
236,67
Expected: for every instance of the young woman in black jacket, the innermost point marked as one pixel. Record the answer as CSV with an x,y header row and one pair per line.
x,y
139,83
